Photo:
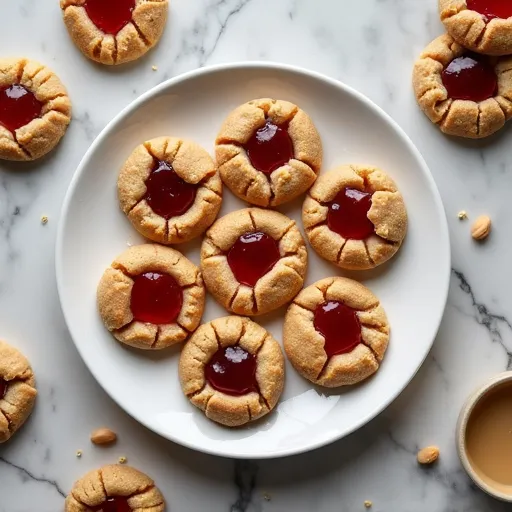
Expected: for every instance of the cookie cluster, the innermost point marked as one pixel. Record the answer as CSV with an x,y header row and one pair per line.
x,y
253,260
462,79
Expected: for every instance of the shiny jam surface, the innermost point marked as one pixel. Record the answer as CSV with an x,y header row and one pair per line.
x,y
167,194
3,388
252,256
232,370
340,327
18,106
470,77
156,298
116,504
110,15
269,148
491,8
348,214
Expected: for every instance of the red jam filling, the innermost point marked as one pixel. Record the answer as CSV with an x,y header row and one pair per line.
x,y
232,370
3,388
110,15
348,214
470,77
252,256
491,8
340,327
117,504
156,298
18,106
167,194
269,148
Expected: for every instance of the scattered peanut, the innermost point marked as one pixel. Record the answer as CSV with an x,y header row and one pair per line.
x,y
368,504
428,455
481,227
123,460
44,220
462,215
103,436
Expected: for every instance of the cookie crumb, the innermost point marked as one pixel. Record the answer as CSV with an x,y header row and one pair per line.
x,y
266,496
463,215
368,504
428,455
44,220
123,460
154,68
79,454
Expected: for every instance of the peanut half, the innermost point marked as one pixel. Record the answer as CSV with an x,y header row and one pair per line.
x,y
428,455
481,227
103,436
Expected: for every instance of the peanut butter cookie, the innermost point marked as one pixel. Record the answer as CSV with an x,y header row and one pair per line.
x,y
484,26
355,217
17,391
170,190
268,152
233,370
151,297
115,31
115,488
336,332
465,94
35,110
253,261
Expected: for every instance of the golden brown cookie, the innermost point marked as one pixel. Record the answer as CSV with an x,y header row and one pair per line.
x,y
464,94
253,261
336,332
115,488
34,109
268,152
170,190
480,25
355,217
17,390
151,297
233,370
116,31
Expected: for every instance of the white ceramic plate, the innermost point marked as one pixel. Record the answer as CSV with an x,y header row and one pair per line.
x,y
413,287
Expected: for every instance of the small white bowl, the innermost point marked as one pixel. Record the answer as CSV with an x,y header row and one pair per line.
x,y
474,399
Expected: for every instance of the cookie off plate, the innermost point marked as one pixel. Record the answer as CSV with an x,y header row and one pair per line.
x,y
412,286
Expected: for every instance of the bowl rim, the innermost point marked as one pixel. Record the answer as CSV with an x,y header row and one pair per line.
x,y
467,409
263,66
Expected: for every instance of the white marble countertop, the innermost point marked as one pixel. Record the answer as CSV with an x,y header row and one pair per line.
x,y
370,45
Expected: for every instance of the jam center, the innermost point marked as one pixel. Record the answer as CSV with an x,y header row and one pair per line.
x,y
340,327
348,214
18,106
252,256
470,77
116,504
232,370
491,8
269,148
110,15
156,298
167,194
3,388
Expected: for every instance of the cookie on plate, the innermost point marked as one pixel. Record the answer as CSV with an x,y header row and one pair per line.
x,y
465,94
355,217
480,25
35,110
116,31
170,190
253,261
233,370
151,297
268,152
336,332
115,488
17,390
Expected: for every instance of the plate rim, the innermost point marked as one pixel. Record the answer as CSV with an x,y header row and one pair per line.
x,y
266,66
